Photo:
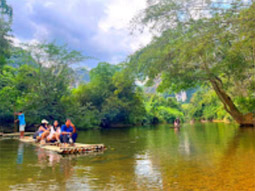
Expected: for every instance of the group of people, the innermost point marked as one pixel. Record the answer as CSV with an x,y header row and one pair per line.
x,y
50,133
54,133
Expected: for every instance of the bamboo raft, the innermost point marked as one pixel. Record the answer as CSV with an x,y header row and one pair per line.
x,y
78,148
14,135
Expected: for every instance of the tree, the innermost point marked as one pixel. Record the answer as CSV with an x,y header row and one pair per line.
x,y
205,105
8,94
6,10
36,80
204,51
5,22
160,109
51,55
161,15
111,97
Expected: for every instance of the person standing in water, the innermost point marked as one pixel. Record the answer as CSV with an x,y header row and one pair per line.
x,y
177,122
22,123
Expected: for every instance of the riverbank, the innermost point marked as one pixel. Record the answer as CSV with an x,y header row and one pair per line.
x,y
211,121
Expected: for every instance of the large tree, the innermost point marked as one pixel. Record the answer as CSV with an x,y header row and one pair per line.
x,y
217,49
35,79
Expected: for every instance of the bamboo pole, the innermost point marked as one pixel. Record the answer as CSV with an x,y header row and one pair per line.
x,y
14,114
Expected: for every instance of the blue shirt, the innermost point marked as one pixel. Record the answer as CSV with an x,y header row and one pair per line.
x,y
64,128
22,119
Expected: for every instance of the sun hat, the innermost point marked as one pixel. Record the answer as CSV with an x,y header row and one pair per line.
x,y
44,121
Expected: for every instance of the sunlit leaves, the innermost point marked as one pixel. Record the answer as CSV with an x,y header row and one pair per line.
x,y
190,55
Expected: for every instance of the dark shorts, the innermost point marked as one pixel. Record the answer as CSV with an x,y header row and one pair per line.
x,y
65,138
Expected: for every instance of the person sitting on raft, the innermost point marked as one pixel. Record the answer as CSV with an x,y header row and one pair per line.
x,y
43,131
55,131
68,132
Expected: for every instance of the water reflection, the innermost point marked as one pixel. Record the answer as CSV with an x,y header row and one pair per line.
x,y
205,157
146,173
176,130
224,160
47,158
51,171
185,145
20,153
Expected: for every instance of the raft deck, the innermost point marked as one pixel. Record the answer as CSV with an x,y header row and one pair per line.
x,y
14,135
76,149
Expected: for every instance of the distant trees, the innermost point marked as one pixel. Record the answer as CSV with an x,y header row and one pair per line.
x,y
205,105
111,97
162,110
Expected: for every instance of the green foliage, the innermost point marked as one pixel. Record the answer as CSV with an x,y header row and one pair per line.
x,y
161,15
39,86
84,116
44,101
110,97
189,54
5,9
160,109
5,21
168,114
4,42
205,105
202,51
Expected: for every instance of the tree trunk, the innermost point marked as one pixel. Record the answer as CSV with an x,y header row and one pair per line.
x,y
242,119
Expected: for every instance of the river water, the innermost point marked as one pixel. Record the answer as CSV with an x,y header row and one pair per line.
x,y
211,156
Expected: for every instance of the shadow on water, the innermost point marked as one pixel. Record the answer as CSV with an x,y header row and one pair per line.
x,y
236,169
244,138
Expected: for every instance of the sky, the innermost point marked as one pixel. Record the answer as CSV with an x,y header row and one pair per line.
x,y
97,28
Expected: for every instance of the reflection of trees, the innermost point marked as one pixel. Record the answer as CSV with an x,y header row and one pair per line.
x,y
50,171
126,167
115,170
236,167
47,171
243,141
147,176
185,145
193,155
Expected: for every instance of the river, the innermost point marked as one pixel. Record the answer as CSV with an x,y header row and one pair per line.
x,y
209,157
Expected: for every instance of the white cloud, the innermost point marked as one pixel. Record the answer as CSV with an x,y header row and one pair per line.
x,y
119,14
17,42
100,28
